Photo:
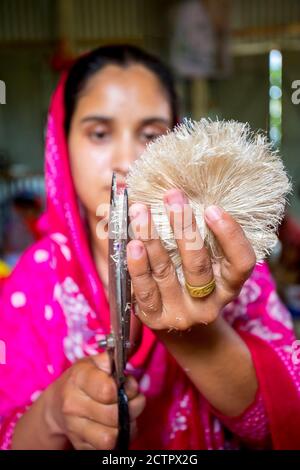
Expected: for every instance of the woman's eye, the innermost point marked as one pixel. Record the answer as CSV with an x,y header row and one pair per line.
x,y
150,135
98,135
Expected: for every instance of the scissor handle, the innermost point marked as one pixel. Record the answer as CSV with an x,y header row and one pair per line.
x,y
124,422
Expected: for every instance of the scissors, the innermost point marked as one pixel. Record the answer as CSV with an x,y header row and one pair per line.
x,y
117,342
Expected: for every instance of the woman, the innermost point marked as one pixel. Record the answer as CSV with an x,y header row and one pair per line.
x,y
219,379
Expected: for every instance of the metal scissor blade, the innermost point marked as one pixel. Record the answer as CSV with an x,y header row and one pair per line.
x,y
119,279
120,303
125,279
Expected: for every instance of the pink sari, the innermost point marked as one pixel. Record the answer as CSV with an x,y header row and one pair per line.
x,y
53,311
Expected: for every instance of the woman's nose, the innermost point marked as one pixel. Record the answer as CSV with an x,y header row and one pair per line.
x,y
121,166
125,153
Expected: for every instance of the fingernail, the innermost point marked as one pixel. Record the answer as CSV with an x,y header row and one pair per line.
x,y
102,361
175,200
135,250
213,213
138,213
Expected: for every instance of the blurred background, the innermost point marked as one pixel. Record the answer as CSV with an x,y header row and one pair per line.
x,y
233,59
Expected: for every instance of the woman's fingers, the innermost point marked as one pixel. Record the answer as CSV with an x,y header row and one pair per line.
x,y
145,289
90,435
156,286
158,270
162,268
195,258
97,384
172,310
82,406
87,432
239,257
80,445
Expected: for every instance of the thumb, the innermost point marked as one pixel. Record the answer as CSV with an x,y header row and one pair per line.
x,y
103,362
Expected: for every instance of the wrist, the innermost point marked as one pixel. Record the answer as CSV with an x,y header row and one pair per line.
x,y
205,337
44,433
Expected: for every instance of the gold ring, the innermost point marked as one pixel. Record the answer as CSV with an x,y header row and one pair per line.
x,y
201,291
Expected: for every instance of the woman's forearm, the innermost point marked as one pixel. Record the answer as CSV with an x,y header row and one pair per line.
x,y
35,429
218,362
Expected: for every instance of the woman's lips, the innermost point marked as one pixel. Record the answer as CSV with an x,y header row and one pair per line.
x,y
120,187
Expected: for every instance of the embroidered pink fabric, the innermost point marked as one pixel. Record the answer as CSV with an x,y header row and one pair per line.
x,y
53,311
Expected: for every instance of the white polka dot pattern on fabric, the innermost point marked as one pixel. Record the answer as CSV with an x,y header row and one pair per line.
x,y
50,369
40,256
254,424
48,312
129,367
59,237
35,395
18,299
145,383
66,252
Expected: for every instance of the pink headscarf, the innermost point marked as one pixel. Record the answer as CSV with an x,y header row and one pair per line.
x,y
53,311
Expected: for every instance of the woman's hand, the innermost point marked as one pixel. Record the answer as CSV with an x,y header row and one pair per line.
x,y
162,302
82,404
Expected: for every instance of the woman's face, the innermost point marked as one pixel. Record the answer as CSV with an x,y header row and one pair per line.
x,y
119,112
